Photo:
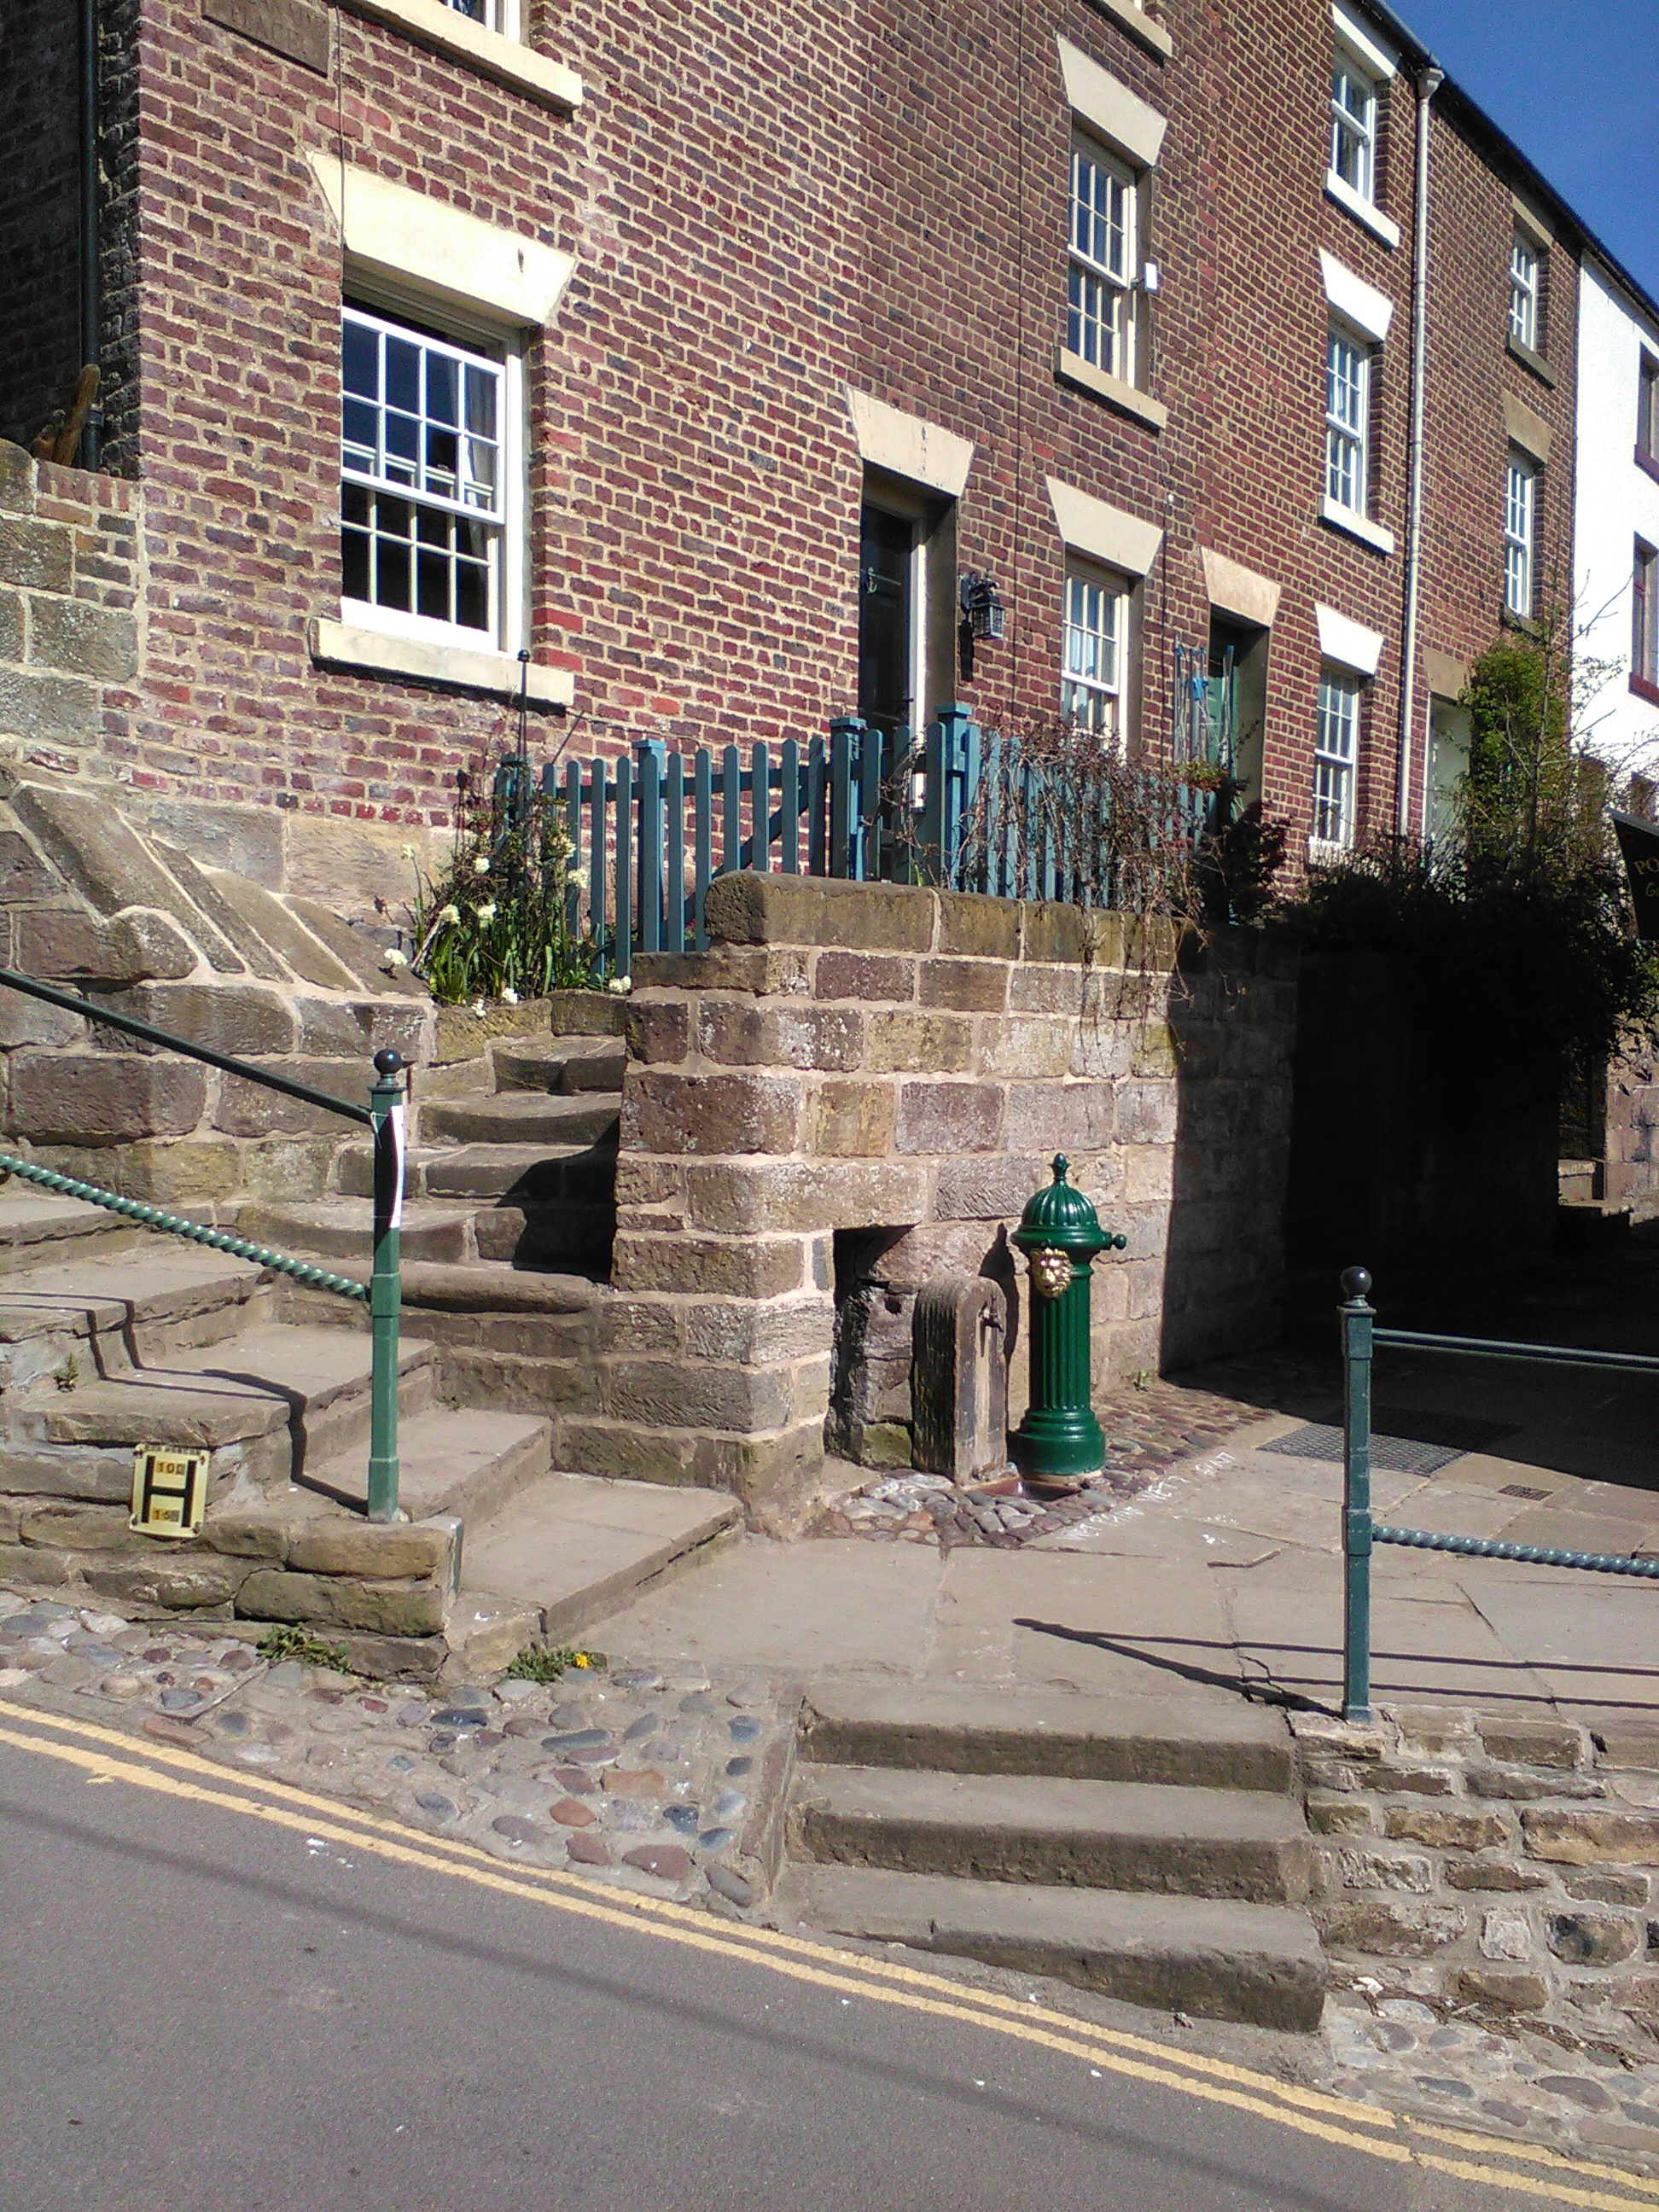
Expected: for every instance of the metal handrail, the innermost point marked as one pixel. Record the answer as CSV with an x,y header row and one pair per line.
x,y
384,1291
1360,1335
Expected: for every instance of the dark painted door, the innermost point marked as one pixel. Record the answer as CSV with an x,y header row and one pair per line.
x,y
886,617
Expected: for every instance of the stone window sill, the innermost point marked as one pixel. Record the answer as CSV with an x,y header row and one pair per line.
x,y
1338,190
507,60
1536,362
343,644
1139,25
1357,525
1645,688
1648,464
1072,369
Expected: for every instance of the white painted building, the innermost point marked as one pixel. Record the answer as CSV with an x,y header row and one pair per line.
x,y
1617,521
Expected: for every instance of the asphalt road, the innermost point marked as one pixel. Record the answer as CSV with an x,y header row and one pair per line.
x,y
216,1996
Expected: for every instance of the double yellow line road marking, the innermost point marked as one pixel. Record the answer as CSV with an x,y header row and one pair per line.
x,y
105,1755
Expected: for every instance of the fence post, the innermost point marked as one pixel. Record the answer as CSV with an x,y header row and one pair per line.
x,y
386,1295
1358,1320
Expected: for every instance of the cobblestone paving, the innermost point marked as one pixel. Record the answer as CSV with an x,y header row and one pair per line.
x,y
654,1780
1399,2053
1147,1430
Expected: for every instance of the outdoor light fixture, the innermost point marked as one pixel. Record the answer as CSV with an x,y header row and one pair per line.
x,y
982,611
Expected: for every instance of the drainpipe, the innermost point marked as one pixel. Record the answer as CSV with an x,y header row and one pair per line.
x,y
1427,85
90,304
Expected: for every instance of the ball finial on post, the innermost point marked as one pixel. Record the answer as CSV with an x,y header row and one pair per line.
x,y
1356,1285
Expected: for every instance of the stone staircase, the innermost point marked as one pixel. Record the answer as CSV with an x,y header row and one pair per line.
x,y
511,1154
110,1337
1151,1849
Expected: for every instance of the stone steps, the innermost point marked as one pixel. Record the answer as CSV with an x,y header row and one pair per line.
x,y
579,1549
470,1464
540,1208
268,1405
1149,1848
1214,1960
1102,1835
1209,1744
519,1118
569,1066
113,1307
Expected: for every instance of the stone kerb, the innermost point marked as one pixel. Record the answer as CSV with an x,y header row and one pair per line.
x,y
872,1070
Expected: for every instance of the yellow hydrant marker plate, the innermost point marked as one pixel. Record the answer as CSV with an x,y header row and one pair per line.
x,y
169,1490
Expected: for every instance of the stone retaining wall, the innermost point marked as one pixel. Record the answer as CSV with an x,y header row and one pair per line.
x,y
1499,1867
93,905
869,1081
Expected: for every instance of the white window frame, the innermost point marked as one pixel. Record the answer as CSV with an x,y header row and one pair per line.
x,y
1354,129
1336,759
1520,534
457,336
1094,650
499,16
1526,290
1089,278
1347,419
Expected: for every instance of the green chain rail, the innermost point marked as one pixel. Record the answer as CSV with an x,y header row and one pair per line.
x,y
174,1224
383,1293
1361,1531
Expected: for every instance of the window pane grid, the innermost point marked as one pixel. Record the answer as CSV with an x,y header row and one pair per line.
x,y
1524,293
1090,655
1347,383
1353,127
421,499
1099,322
1519,498
1336,742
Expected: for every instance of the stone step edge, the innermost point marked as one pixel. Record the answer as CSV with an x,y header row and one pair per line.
x,y
659,1563
1062,1735
1214,1960
1082,1847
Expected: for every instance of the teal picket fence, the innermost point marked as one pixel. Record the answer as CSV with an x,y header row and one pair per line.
x,y
651,830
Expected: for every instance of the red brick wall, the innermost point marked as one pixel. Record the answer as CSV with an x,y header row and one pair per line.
x,y
762,210
1467,445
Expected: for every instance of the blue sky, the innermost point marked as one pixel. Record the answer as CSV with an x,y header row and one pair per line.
x,y
1577,87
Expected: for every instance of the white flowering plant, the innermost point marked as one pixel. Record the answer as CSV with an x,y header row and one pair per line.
x,y
502,919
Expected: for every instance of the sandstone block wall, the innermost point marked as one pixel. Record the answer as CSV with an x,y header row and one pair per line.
x,y
1502,1865
90,905
859,1085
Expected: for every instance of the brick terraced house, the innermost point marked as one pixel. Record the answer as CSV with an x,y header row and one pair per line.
x,y
703,359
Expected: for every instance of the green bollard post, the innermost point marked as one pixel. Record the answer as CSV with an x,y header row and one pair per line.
x,y
386,1286
1061,1234
1358,1318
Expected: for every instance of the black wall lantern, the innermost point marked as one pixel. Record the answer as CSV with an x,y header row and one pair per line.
x,y
982,611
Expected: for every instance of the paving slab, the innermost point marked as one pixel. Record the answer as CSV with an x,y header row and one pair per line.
x,y
821,1606
1591,1640
1090,1623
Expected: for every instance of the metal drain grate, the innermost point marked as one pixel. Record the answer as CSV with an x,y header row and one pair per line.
x,y
1520,1490
1397,1455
